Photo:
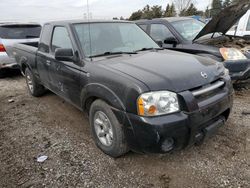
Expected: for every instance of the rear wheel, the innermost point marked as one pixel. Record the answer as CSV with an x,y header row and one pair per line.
x,y
107,132
34,87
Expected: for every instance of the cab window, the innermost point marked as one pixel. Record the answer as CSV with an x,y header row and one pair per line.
x,y
60,39
160,32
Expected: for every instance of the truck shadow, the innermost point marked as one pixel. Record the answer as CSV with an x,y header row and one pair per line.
x,y
10,73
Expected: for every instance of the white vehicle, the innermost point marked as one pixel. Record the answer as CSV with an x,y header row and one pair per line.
x,y
10,34
242,27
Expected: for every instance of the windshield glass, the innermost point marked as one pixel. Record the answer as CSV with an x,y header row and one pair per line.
x,y
188,29
100,38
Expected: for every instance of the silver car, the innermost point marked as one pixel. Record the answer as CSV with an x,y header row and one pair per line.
x,y
11,33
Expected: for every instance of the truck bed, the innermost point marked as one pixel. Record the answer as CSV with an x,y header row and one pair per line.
x,y
25,53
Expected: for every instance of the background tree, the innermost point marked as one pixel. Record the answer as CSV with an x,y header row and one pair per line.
x,y
170,11
207,13
156,11
136,15
146,12
167,11
191,10
216,7
182,5
173,10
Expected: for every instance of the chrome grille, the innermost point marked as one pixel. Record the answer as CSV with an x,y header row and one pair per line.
x,y
209,88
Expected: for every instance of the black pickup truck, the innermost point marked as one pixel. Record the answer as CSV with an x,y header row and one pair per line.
x,y
137,95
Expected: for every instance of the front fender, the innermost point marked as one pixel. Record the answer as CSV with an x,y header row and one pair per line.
x,y
102,92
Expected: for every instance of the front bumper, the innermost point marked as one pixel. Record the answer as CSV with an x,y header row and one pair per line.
x,y
239,70
154,134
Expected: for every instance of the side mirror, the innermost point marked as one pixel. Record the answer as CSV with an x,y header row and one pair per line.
x,y
171,40
64,54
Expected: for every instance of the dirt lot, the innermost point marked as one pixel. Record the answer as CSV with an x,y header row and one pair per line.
x,y
30,127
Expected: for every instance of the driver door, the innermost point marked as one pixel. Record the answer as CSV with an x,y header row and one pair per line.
x,y
66,74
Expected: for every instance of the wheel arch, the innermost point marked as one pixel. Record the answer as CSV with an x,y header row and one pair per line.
x,y
23,64
95,91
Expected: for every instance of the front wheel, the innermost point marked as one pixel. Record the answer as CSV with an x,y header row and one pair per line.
x,y
107,132
34,87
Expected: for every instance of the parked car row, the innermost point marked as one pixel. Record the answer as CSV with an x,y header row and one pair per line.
x,y
11,33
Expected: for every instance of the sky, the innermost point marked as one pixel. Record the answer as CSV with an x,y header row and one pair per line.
x,y
47,10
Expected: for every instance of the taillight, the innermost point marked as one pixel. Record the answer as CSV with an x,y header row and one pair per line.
x,y
2,49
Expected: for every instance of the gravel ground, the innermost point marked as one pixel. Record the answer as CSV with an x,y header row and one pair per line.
x,y
31,127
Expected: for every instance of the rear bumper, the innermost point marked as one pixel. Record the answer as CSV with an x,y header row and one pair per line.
x,y
239,70
7,63
179,130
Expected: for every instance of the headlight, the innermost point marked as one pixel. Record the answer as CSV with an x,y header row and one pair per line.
x,y
232,54
157,103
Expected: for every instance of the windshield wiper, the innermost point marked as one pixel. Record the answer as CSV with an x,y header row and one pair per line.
x,y
146,49
111,53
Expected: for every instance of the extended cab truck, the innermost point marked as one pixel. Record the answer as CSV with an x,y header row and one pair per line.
x,y
138,96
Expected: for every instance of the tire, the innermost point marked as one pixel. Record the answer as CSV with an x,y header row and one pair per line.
x,y
100,110
35,89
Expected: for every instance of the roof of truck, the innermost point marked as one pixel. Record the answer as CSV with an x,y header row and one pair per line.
x,y
86,21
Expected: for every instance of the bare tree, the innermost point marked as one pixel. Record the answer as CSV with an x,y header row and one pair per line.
x,y
182,4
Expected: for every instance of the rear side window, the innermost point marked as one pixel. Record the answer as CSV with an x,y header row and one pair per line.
x,y
60,39
20,31
160,32
45,39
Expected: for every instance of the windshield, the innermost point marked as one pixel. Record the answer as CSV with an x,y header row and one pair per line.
x,y
100,38
188,29
20,31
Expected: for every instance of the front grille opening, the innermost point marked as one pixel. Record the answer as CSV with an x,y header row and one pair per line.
x,y
208,94
205,92
200,87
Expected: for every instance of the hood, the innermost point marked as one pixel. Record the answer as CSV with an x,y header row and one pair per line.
x,y
166,70
225,19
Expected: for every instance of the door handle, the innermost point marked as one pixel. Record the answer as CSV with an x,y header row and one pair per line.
x,y
48,62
